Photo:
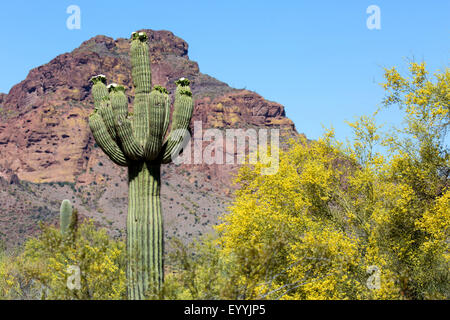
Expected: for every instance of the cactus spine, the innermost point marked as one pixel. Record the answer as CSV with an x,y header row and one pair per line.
x,y
137,142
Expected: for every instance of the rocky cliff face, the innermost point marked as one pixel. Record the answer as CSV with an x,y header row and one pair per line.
x,y
44,134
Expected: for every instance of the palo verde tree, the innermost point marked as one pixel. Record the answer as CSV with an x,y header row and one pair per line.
x,y
349,221
137,142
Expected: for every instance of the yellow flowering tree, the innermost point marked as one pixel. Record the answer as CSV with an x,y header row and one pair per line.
x,y
45,267
11,282
351,222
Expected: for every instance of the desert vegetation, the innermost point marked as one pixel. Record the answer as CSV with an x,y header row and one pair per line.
x,y
368,218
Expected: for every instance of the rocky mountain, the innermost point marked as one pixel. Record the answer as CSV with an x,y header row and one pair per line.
x,y
47,152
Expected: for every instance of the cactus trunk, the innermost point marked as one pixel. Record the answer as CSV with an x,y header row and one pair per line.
x,y
144,230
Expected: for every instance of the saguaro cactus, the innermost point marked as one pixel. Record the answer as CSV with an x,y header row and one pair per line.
x,y
137,142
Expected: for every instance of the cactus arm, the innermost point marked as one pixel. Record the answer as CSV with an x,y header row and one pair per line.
x,y
141,73
107,115
140,63
159,103
119,102
99,90
182,115
104,140
104,134
131,148
166,119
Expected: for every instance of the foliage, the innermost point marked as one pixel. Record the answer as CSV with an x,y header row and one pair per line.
x,y
41,270
12,284
312,230
196,271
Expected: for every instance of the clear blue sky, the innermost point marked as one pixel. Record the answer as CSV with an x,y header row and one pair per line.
x,y
317,58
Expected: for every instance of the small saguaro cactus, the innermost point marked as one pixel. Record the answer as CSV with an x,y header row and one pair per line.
x,y
137,142
65,216
67,220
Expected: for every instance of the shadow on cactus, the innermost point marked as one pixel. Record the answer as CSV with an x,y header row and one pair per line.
x,y
137,142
